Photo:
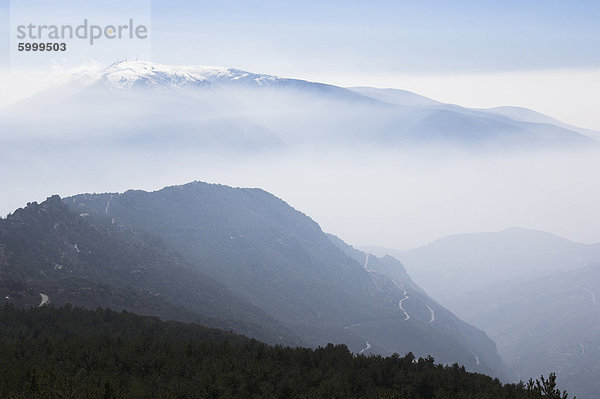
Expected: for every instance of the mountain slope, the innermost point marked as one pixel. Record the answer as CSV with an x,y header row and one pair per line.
x,y
418,306
49,251
478,260
529,290
279,260
396,96
153,104
528,115
549,323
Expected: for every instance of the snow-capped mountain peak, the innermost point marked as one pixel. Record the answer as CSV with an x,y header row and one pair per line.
x,y
131,74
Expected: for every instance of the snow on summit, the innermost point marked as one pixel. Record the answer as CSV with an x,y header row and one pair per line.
x,y
130,74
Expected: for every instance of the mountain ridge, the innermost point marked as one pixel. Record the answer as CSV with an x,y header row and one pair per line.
x,y
77,258
233,258
477,260
205,107
280,260
550,322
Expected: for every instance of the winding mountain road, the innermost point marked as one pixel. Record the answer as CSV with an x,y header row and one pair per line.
x,y
366,348
45,299
592,295
401,286
108,204
366,265
366,322
406,315
432,313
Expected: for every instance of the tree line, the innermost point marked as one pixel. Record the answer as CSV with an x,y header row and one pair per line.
x,y
70,352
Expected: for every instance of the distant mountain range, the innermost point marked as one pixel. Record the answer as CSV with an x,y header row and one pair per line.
x,y
454,265
533,292
547,323
147,104
243,260
238,259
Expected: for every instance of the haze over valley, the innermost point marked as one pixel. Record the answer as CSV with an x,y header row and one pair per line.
x,y
108,184
266,199
387,156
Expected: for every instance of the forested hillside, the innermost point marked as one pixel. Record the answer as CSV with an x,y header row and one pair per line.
x,y
47,252
74,353
278,259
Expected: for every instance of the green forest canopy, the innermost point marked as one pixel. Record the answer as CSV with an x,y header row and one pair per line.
x,y
70,352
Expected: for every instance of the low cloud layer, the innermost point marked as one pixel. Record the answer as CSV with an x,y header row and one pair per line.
x,y
398,199
368,171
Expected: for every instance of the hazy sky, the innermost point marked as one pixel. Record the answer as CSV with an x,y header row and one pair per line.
x,y
538,54
389,37
381,36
